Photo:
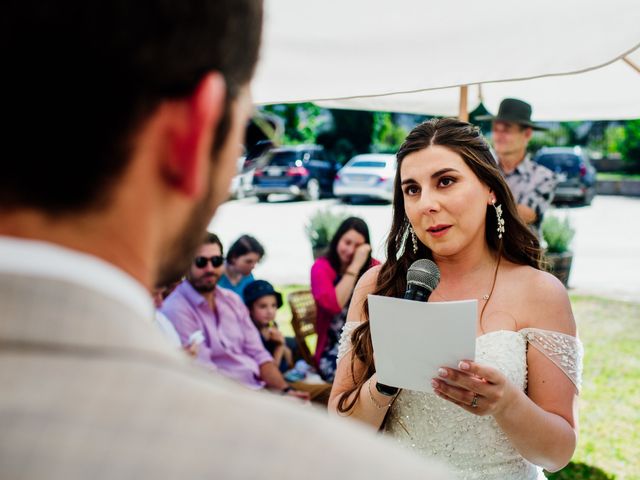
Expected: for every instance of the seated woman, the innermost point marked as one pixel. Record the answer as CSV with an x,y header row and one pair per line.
x,y
333,278
242,257
263,301
513,409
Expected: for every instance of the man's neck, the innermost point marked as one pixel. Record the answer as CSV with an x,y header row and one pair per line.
x,y
102,239
209,296
509,161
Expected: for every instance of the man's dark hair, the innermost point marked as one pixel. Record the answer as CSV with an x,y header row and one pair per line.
x,y
243,245
81,77
212,238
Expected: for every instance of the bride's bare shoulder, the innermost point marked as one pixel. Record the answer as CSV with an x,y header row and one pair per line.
x,y
369,279
366,285
542,298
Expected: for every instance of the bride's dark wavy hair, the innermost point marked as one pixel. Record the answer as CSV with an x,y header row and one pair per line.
x,y
518,244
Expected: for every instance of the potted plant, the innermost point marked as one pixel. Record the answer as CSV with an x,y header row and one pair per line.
x,y
320,228
558,234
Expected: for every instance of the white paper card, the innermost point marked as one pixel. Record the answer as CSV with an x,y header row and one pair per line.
x,y
411,340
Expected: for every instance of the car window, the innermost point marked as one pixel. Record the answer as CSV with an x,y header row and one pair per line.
x,y
560,162
284,159
368,164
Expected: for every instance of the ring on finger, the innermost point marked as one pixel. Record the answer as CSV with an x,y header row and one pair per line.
x,y
474,401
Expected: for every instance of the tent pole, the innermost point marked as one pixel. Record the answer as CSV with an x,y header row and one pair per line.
x,y
631,64
463,112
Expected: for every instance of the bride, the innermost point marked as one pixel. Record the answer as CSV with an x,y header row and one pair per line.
x,y
513,411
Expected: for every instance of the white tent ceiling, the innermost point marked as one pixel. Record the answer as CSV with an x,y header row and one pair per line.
x,y
608,93
361,52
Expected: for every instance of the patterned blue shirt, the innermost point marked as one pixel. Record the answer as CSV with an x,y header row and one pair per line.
x,y
532,185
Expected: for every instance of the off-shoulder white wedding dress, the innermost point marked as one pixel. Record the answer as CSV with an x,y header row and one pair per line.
x,y
475,447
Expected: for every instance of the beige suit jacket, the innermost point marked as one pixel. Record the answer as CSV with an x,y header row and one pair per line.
x,y
90,390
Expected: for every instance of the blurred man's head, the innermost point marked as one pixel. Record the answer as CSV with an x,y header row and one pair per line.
x,y
512,127
104,96
510,138
207,266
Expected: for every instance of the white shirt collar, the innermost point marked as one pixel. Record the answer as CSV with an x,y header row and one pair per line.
x,y
44,259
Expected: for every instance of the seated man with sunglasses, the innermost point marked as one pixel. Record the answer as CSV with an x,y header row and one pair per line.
x,y
231,342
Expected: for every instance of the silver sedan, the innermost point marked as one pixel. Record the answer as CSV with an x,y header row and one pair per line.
x,y
369,175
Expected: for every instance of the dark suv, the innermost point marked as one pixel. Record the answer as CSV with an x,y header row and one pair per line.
x,y
300,170
576,175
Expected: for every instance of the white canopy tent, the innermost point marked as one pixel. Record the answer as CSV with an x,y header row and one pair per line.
x,y
394,56
607,93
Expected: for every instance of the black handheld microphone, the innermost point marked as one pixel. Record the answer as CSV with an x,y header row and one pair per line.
x,y
423,277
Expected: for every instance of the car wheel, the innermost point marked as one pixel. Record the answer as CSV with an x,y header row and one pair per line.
x,y
313,190
262,198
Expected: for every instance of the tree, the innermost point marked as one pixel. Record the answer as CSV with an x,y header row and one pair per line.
x,y
350,135
302,121
630,146
387,136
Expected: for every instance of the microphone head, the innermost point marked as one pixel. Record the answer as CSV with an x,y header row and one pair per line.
x,y
424,273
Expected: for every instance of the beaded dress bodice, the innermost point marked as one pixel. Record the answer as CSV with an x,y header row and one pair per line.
x,y
475,447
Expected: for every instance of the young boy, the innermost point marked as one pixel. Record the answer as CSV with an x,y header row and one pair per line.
x,y
263,302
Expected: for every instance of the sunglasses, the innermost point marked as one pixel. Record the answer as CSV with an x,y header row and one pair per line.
x,y
201,262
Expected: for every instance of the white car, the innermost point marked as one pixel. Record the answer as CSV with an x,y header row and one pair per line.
x,y
242,183
370,175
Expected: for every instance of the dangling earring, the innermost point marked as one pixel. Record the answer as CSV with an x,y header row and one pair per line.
x,y
500,220
414,240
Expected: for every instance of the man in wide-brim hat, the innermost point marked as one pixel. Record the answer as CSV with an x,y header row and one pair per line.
x,y
532,185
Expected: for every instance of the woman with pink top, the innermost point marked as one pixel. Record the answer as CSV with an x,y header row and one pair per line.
x,y
333,278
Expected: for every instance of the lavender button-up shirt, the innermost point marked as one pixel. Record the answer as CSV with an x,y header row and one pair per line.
x,y
232,343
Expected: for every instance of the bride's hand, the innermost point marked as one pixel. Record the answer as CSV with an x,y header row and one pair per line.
x,y
478,389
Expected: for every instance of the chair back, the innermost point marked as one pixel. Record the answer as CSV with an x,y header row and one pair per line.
x,y
303,321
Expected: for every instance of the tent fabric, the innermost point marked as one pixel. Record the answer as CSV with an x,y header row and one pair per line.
x,y
332,50
608,93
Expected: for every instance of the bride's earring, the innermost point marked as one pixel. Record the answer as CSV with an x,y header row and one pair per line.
x,y
500,220
414,240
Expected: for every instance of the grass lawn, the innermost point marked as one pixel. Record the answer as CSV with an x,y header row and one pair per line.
x,y
609,445
610,399
617,176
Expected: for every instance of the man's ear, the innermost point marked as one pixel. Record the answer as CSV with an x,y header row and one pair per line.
x,y
528,133
191,134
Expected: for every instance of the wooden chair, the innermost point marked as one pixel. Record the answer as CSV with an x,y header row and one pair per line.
x,y
303,321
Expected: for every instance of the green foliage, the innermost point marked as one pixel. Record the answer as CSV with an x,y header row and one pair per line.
x,y
542,139
630,146
302,121
387,137
351,134
557,233
322,226
564,135
580,471
613,139
617,176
